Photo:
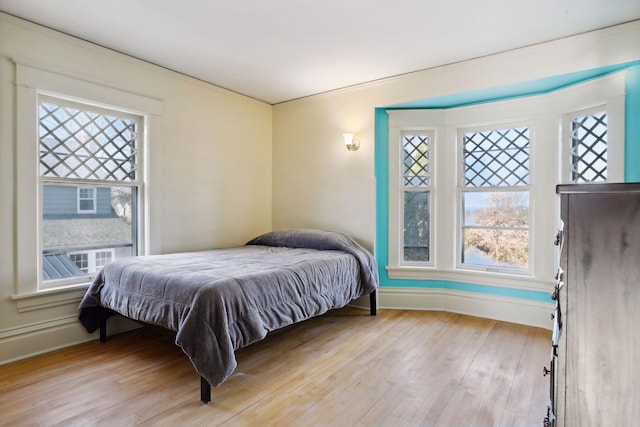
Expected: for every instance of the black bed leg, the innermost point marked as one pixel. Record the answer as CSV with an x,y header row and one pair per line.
x,y
103,325
373,303
205,391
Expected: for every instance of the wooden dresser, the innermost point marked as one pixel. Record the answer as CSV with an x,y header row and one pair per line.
x,y
595,363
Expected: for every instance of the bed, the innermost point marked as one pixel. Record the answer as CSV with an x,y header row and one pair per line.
x,y
220,300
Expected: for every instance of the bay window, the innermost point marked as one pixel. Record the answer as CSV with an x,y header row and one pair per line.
x,y
472,188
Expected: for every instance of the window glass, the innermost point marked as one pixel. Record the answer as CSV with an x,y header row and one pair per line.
x,y
76,142
495,199
495,229
416,184
85,226
416,225
496,158
589,148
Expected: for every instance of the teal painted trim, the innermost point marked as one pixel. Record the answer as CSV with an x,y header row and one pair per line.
x,y
632,126
516,90
632,159
381,168
471,287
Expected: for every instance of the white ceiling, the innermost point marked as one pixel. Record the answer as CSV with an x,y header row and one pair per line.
x,y
280,50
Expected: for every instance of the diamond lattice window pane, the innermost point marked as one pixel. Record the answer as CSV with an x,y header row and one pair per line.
x,y
589,148
86,145
416,160
496,158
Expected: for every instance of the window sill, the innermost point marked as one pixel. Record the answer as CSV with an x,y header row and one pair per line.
x,y
48,298
470,276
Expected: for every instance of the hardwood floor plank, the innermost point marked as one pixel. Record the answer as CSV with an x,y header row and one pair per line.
x,y
400,368
277,376
529,385
482,394
347,366
420,395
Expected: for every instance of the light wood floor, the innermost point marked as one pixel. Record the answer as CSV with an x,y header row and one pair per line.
x,y
346,368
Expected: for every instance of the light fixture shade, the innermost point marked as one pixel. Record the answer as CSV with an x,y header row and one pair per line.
x,y
350,142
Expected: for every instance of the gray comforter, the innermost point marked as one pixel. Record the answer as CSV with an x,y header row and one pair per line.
x,y
224,299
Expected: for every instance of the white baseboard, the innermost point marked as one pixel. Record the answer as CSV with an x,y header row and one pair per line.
x,y
513,310
42,337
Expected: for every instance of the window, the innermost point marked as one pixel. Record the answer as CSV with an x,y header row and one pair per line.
x,y
91,261
495,198
84,142
417,181
471,189
89,161
81,260
589,147
86,200
102,258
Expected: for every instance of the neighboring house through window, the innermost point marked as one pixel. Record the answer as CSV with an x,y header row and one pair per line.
x,y
86,200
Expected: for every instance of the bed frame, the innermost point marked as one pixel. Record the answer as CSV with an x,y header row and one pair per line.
x,y
205,387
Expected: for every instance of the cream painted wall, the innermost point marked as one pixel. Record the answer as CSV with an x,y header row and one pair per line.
x,y
210,168
318,183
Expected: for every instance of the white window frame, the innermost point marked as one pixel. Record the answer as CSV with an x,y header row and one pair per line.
x,y
80,198
545,115
32,79
398,126
138,183
462,189
405,189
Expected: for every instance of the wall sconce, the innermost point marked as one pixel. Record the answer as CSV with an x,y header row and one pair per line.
x,y
350,142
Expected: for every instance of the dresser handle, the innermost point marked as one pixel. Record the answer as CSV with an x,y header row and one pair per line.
x,y
545,371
